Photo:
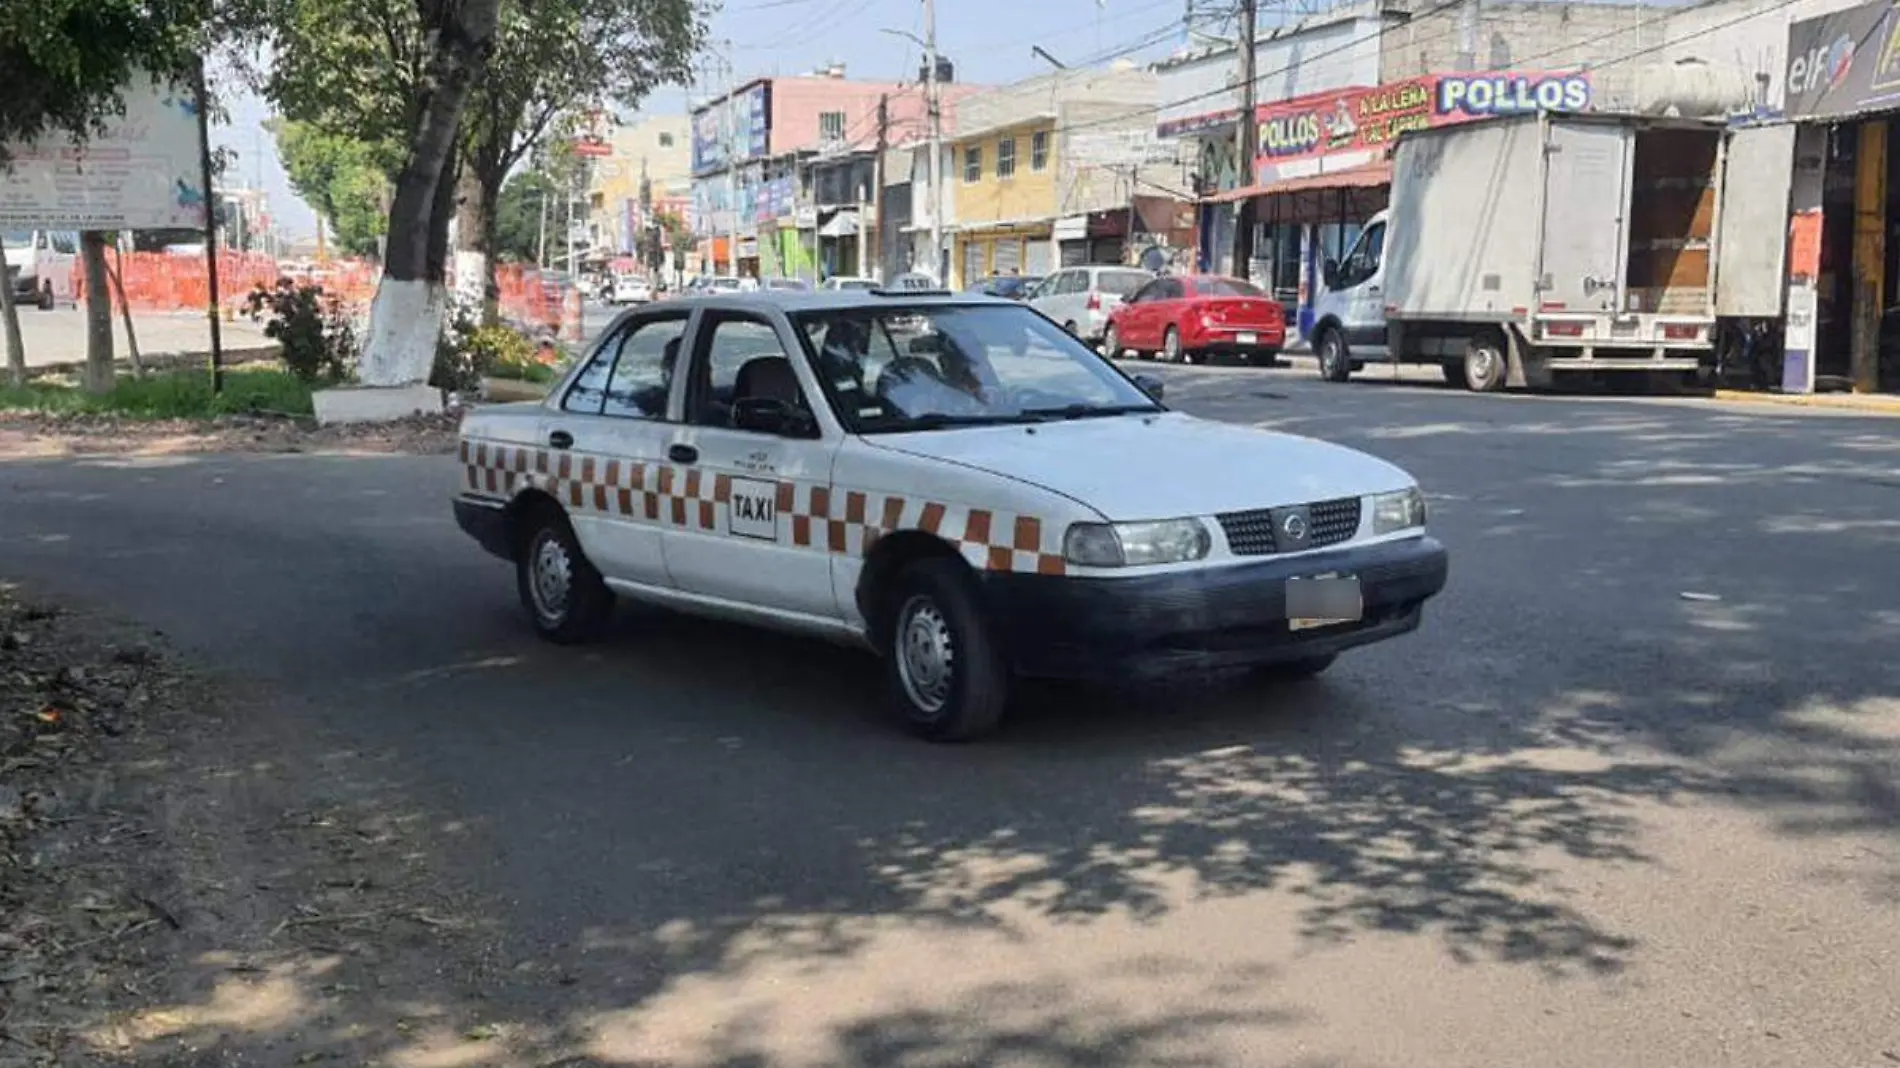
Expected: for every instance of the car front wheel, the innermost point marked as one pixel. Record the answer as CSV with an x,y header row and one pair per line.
x,y
1334,362
47,301
566,598
946,677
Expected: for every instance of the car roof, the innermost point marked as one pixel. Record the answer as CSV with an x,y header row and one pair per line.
x,y
797,300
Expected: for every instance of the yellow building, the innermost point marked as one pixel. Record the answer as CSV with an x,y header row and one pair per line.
x,y
1043,152
658,146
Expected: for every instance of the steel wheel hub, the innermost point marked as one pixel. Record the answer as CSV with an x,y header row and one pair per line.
x,y
551,577
926,654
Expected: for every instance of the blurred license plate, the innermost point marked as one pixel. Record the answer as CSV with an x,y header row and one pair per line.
x,y
1248,338
1323,601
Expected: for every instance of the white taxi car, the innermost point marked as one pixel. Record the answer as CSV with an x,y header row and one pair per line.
x,y
951,480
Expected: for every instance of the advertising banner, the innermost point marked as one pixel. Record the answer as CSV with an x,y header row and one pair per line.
x,y
142,173
1845,63
749,113
1362,118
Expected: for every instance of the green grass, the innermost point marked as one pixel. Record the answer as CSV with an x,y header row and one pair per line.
x,y
537,373
166,395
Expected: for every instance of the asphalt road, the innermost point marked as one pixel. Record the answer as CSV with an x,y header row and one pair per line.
x,y
1631,796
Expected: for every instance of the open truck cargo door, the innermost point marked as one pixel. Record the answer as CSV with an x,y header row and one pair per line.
x,y
1751,241
1586,198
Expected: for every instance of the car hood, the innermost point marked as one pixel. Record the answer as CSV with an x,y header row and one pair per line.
x,y
1158,467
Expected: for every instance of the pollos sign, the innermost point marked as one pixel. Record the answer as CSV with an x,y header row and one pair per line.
x,y
1481,96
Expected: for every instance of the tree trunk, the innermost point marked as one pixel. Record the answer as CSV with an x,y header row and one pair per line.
x,y
16,345
481,191
99,371
406,318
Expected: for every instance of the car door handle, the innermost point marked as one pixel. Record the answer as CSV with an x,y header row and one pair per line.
x,y
682,454
561,439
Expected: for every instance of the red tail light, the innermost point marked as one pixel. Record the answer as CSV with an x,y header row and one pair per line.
x,y
1681,331
1564,329
1095,302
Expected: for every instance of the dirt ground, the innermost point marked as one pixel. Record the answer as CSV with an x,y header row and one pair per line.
x,y
36,435
181,883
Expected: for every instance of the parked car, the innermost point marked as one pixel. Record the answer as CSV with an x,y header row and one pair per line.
x,y
952,482
1081,298
838,282
1008,286
1189,318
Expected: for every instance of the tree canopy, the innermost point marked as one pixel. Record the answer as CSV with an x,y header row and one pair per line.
x,y
345,180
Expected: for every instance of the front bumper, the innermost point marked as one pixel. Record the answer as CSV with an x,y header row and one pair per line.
x,y
1156,626
487,523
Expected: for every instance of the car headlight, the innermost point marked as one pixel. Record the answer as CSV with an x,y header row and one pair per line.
x,y
1164,541
1399,510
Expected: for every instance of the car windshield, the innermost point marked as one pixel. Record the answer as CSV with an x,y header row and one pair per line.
x,y
1122,283
1226,287
899,369
17,239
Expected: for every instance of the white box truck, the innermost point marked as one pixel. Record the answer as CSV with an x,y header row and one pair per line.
x,y
1518,249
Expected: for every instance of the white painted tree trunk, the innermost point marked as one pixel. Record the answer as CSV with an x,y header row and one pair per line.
x,y
405,321
471,278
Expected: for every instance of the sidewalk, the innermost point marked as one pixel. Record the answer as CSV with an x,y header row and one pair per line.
x,y
58,338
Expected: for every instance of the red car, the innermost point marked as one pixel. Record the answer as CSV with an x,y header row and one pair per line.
x,y
1190,318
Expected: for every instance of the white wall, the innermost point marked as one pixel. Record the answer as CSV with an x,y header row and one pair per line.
x,y
1324,52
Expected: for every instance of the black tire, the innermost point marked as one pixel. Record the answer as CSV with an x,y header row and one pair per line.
x,y
1264,358
1295,670
1454,373
1335,362
582,612
1111,342
932,613
1484,365
1171,350
47,303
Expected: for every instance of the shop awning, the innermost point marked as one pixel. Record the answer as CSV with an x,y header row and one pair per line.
x,y
843,224
1366,177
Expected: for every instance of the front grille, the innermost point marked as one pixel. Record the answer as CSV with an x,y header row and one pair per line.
x,y
1251,533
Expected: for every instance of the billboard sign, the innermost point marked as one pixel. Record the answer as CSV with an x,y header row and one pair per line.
x,y
1845,63
749,112
1370,118
143,172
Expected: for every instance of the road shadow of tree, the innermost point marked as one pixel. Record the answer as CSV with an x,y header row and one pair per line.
x,y
721,824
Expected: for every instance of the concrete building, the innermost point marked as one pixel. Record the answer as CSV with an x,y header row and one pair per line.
x,y
1045,171
656,148
757,156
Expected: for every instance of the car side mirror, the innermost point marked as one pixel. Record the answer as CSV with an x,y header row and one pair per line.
x,y
1329,273
1152,386
769,415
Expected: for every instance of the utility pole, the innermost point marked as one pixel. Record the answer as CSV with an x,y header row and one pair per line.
x,y
933,106
1249,131
875,249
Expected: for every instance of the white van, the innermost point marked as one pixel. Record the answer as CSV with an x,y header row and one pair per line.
x,y
40,265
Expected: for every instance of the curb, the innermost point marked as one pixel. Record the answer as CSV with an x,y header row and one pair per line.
x,y
1880,404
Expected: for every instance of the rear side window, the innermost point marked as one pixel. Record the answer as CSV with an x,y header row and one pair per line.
x,y
1226,287
1121,283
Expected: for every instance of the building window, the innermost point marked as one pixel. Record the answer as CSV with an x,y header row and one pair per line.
x,y
973,164
666,140
1039,151
1006,158
831,126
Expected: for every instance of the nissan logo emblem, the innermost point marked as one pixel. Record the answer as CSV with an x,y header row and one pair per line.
x,y
1294,527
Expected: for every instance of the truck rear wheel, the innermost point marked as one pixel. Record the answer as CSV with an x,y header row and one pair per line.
x,y
1484,364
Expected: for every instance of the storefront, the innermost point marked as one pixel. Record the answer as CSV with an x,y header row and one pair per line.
x,y
1843,91
1023,248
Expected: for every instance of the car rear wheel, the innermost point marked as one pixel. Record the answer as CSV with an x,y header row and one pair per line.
x,y
1171,350
567,600
946,677
46,297
1112,343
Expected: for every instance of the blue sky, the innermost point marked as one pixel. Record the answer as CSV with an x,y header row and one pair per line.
x,y
989,40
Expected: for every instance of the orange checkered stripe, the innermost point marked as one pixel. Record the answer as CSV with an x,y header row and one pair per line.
x,y
809,516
